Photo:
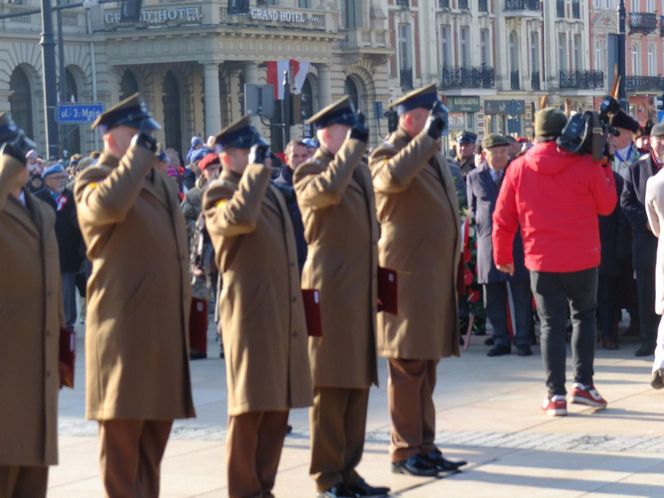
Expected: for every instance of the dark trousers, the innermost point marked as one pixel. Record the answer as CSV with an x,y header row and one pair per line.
x,y
608,307
18,481
410,387
253,450
649,320
496,305
555,293
338,421
130,456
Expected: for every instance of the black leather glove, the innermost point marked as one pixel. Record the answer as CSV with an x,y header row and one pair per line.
x,y
259,153
437,122
145,140
360,130
18,147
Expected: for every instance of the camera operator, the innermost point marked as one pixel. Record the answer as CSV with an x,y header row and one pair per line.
x,y
556,197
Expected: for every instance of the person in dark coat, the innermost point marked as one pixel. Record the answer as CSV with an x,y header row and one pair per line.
x,y
296,153
70,241
483,185
611,228
465,152
644,243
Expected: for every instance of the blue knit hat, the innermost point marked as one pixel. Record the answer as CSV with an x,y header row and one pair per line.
x,y
52,170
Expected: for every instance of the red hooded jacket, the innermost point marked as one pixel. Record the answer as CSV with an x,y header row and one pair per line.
x,y
555,196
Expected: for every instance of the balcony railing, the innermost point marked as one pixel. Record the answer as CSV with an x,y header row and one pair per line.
x,y
642,22
463,4
444,4
522,5
483,5
641,84
581,80
406,79
535,81
560,8
515,80
468,77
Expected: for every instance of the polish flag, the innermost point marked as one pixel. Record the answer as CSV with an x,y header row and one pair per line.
x,y
297,72
275,76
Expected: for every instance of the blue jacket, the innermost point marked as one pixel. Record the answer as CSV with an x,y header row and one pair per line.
x,y
284,182
482,193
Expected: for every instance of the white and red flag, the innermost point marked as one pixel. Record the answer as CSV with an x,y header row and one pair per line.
x,y
297,71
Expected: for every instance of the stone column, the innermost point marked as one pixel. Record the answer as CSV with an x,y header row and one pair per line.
x,y
212,103
250,73
325,85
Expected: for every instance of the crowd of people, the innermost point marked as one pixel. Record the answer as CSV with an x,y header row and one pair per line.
x,y
318,261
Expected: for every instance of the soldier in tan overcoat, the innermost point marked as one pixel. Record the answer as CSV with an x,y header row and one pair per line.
x,y
262,316
139,296
335,196
30,321
417,209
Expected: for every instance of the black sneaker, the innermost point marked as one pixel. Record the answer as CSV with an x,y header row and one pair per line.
x,y
415,466
500,350
524,350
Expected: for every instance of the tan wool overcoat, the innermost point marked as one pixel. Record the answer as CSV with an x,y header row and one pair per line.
x,y
418,213
262,315
139,295
336,199
30,320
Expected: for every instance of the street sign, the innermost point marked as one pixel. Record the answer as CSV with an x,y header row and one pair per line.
x,y
78,113
660,116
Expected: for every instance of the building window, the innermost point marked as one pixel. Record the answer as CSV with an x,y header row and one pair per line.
x,y
650,6
515,80
485,47
446,45
20,101
128,85
352,13
304,4
465,46
599,55
350,89
578,48
576,9
405,57
652,71
636,66
562,51
635,6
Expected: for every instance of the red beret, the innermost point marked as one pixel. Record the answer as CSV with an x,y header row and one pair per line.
x,y
208,160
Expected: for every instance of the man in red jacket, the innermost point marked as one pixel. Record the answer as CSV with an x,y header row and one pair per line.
x,y
556,196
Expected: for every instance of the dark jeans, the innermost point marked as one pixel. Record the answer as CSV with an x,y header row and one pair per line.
x,y
555,293
608,308
648,319
495,303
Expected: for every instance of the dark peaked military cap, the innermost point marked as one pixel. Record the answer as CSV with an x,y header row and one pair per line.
x,y
131,112
466,137
422,97
239,135
340,112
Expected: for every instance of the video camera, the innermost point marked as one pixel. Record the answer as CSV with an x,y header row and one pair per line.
x,y
588,133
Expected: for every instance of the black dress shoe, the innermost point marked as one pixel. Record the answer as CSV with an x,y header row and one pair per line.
x,y
415,466
361,488
436,458
499,350
657,381
524,350
337,491
488,341
645,350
